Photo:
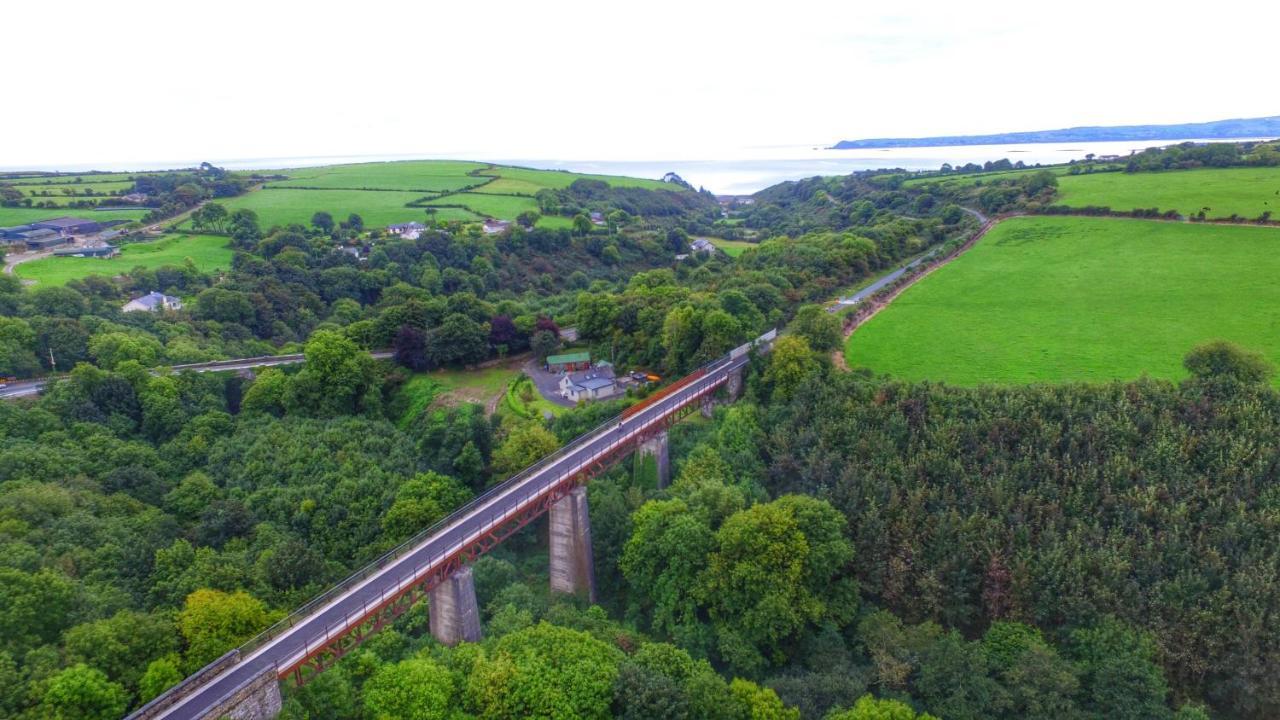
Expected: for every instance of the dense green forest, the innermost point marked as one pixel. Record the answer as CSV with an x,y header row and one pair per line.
x,y
833,545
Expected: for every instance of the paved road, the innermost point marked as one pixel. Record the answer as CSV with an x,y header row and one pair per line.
x,y
459,530
24,388
876,286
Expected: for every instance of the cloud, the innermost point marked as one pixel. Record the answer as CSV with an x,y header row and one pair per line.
x,y
159,81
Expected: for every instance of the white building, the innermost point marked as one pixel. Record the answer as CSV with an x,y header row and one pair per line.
x,y
493,227
593,384
153,302
408,231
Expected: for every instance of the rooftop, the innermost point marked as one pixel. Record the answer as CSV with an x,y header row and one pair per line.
x,y
576,357
154,299
63,222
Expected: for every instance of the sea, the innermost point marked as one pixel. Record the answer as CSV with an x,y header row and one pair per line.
x,y
736,172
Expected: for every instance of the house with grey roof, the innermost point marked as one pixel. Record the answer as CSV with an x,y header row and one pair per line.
x,y
591,384
702,245
153,302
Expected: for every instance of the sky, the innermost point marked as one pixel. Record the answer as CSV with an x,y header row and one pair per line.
x,y
147,82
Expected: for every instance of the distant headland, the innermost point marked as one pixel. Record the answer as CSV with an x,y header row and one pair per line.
x,y
1263,127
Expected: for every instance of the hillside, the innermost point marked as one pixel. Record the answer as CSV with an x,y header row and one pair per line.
x,y
1264,127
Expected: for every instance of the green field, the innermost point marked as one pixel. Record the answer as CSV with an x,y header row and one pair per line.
x,y
965,180
21,216
73,178
418,176
529,181
1055,299
206,251
282,207
732,248
100,188
1247,192
379,192
503,207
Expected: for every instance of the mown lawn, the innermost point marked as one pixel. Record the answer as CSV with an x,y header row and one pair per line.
x,y
732,248
208,252
1091,299
1247,192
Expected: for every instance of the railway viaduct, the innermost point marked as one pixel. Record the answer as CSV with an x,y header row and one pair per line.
x,y
244,684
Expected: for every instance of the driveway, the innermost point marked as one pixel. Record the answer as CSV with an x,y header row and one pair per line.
x,y
548,384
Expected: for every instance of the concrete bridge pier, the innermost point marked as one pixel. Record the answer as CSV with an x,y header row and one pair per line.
x,y
572,569
453,613
656,448
734,386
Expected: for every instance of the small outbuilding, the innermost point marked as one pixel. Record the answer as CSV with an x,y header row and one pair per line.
x,y
569,362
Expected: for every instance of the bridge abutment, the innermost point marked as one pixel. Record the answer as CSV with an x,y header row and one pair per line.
x,y
453,613
257,700
572,568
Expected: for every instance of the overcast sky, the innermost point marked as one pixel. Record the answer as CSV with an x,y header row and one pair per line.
x,y
101,82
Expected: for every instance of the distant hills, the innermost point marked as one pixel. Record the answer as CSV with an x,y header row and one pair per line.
x,y
1263,127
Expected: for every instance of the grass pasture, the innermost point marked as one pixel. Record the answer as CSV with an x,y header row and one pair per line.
x,y
1075,298
529,181
379,192
1247,192
503,207
421,176
276,206
21,216
69,178
208,252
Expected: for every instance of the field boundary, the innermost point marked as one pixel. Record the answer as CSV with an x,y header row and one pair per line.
x,y
874,304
